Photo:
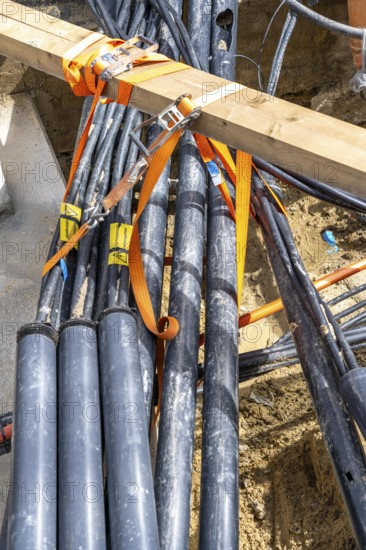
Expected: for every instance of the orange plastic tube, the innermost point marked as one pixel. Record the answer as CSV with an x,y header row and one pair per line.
x,y
320,284
7,430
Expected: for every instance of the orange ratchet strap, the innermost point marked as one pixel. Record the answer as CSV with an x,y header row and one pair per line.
x,y
174,119
168,326
241,176
110,59
208,157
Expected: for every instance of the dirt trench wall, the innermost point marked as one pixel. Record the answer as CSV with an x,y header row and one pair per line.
x,y
314,58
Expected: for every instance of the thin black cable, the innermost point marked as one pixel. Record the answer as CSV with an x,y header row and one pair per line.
x,y
259,60
323,21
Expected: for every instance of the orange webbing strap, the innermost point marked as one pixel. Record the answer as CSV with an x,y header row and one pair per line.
x,y
137,273
65,249
227,160
208,156
76,59
224,155
167,327
243,182
130,80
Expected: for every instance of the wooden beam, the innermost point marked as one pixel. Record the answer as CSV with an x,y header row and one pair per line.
x,y
276,130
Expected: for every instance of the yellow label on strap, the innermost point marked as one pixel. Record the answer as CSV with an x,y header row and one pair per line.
x,y
119,243
69,220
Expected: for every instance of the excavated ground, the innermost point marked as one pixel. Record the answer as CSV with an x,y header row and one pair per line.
x,y
288,495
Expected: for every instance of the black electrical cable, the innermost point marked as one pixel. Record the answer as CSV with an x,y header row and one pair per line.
x,y
242,56
109,116
75,196
266,356
286,34
316,305
336,300
106,20
292,262
355,321
153,24
339,433
92,277
260,74
293,181
338,194
138,19
323,21
123,12
124,215
348,294
55,315
98,184
177,30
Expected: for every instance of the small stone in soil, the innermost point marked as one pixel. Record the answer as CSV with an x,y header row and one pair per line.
x,y
258,510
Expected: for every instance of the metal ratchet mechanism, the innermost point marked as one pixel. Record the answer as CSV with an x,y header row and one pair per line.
x,y
121,58
171,119
96,215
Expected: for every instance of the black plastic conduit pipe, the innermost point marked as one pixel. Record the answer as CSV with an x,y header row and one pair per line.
x,y
33,495
219,520
152,231
173,472
338,430
80,476
132,514
81,496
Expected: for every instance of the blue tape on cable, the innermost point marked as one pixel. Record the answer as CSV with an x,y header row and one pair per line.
x,y
64,269
214,172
